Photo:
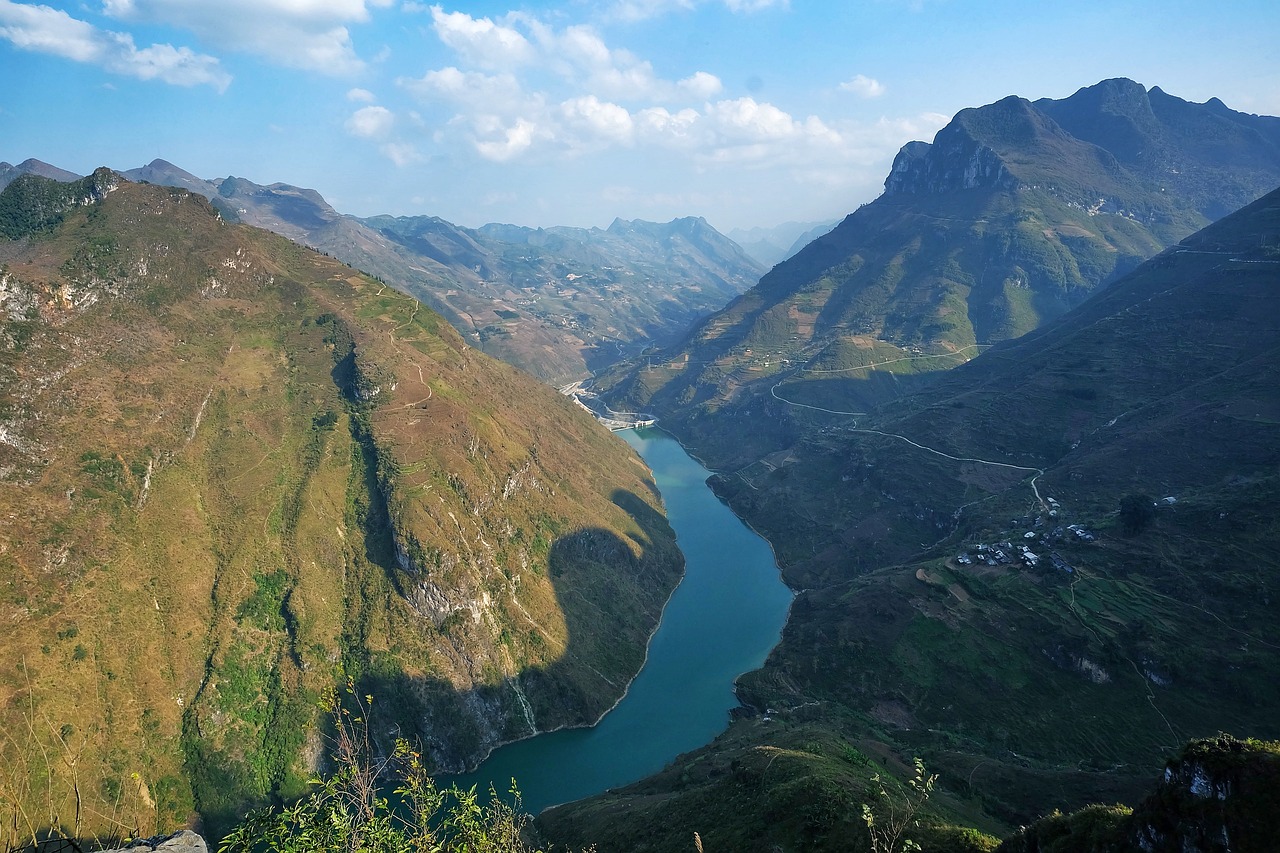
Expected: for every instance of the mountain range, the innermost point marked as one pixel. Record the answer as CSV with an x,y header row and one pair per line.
x,y
1041,573
239,477
1017,212
556,302
1011,430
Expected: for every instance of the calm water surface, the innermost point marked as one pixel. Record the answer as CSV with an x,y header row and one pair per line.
x,y
723,619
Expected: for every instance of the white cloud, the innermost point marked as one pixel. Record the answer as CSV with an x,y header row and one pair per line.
x,y
657,124
481,41
581,56
363,96
525,89
486,92
863,86
597,119
371,122
310,34
745,119
505,142
701,85
577,54
401,153
46,30
643,10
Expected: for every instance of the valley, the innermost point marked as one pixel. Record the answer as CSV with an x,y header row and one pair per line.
x,y
1008,431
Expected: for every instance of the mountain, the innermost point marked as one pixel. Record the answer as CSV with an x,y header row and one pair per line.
x,y
556,302
600,292
773,245
9,172
1017,212
1040,574
1218,794
241,478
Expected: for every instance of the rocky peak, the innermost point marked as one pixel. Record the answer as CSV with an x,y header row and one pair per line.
x,y
955,161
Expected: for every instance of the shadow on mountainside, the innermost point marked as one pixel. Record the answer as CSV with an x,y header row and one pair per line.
x,y
601,582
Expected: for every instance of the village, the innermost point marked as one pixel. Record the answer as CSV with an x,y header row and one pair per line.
x,y
1035,547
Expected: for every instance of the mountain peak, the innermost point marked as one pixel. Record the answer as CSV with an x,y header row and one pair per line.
x,y
959,158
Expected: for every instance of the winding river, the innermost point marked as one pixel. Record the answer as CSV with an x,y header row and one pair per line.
x,y
722,620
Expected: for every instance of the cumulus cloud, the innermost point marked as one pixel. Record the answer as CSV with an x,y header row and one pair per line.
x,y
361,96
582,56
525,88
371,122
46,30
701,85
657,124
597,119
863,86
481,41
747,119
310,34
488,92
576,54
504,142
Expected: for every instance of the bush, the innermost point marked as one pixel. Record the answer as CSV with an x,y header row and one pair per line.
x,y
348,810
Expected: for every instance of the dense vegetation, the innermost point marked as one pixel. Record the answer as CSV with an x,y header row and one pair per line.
x,y
36,204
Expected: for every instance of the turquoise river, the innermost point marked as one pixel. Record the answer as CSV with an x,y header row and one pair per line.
x,y
722,620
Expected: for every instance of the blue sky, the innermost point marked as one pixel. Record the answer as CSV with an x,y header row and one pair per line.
x,y
747,112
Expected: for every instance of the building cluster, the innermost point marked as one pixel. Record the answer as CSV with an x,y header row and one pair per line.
x,y
1033,548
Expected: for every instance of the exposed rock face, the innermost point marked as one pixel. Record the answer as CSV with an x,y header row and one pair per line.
x,y
183,841
1220,795
955,161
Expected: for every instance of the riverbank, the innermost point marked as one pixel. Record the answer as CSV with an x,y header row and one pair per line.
x,y
721,621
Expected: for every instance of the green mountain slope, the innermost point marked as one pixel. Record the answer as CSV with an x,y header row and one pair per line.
x,y
1007,220
556,302
1041,574
238,473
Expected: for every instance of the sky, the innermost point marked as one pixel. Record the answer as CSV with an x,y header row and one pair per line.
x,y
746,112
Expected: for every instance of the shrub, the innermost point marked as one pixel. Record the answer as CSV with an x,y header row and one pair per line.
x,y
348,811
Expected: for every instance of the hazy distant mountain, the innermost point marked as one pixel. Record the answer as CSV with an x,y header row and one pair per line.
x,y
1041,574
556,302
237,473
773,245
34,167
559,301
1008,219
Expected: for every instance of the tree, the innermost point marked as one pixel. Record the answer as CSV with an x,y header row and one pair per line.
x,y
892,814
1136,512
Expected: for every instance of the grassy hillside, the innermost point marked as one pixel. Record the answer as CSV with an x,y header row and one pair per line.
x,y
237,473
